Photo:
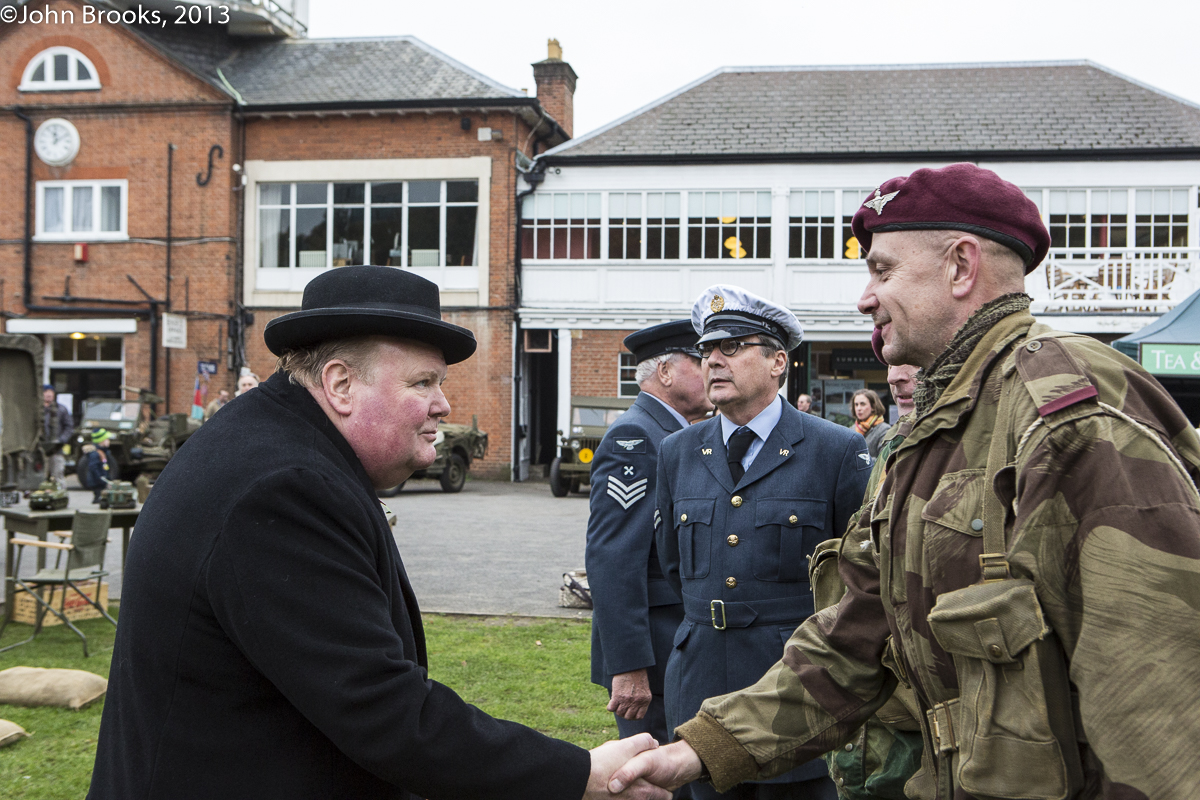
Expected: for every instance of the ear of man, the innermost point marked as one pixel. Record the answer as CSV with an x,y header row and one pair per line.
x,y
337,386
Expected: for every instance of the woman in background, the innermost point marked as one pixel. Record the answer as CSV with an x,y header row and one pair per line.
x,y
868,419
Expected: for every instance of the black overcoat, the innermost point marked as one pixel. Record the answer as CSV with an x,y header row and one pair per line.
x,y
270,644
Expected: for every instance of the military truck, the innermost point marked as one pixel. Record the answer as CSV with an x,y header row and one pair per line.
x,y
141,442
590,418
457,446
22,456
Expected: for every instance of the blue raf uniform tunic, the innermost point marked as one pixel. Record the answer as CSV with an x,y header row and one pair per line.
x,y
636,610
738,553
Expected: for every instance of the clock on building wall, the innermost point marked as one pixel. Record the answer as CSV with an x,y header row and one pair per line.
x,y
56,142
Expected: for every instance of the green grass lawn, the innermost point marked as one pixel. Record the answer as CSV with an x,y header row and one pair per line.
x,y
534,671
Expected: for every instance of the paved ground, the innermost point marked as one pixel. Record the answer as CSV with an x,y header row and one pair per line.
x,y
494,548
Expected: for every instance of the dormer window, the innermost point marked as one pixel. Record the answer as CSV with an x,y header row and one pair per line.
x,y
59,69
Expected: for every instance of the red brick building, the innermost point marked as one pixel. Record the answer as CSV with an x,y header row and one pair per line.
x,y
199,171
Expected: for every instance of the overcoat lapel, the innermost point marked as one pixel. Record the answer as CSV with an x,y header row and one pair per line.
x,y
711,453
780,446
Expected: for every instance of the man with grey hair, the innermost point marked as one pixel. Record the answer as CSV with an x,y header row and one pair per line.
x,y
270,643
636,612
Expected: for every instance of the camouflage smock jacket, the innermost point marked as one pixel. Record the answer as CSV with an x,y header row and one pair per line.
x,y
1102,518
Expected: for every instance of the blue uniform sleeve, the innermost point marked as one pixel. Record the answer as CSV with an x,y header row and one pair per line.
x,y
619,538
852,482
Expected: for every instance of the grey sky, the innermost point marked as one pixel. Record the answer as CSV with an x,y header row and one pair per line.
x,y
628,54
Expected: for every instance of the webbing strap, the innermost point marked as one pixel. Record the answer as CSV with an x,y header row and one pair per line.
x,y
993,562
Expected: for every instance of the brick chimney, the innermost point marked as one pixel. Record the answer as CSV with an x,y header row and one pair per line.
x,y
556,87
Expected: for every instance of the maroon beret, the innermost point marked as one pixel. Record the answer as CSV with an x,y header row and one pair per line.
x,y
960,197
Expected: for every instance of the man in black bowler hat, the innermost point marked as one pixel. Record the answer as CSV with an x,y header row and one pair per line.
x,y
635,611
270,645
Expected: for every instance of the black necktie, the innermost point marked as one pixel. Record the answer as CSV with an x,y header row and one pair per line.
x,y
739,443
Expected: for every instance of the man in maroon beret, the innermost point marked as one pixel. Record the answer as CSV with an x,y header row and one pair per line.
x,y
1033,548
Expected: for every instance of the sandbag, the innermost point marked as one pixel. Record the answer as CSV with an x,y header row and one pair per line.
x,y
10,733
62,688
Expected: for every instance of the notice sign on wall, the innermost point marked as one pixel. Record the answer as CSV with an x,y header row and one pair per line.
x,y
1171,359
174,332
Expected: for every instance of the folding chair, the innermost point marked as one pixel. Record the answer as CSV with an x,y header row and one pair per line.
x,y
85,562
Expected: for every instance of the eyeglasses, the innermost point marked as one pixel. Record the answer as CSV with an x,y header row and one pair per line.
x,y
729,347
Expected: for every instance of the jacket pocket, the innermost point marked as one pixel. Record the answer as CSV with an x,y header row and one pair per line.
x,y
827,585
786,530
693,526
1014,704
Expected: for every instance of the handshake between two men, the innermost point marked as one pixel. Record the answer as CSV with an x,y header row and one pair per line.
x,y
637,768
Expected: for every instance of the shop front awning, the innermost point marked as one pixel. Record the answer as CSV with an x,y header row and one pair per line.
x,y
1171,344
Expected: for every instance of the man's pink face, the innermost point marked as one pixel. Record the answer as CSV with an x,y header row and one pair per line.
x,y
908,298
688,396
395,417
804,403
903,380
47,398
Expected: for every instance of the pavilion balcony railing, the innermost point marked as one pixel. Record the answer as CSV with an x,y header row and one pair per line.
x,y
1114,280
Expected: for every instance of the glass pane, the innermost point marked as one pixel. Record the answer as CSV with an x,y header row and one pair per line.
x,y
1179,204
545,204
850,202
81,208
1099,203
273,233
62,348
86,351
462,191
616,206
385,236
633,206
1118,202
593,206
1142,200
274,194
110,208
460,236
1077,202
61,71
423,248
811,204
110,348
52,209
310,237
347,237
424,191
82,72
764,204
527,207
712,204
671,205
578,201
1162,202
387,192
796,204
826,204
561,201
747,205
312,193
39,72
695,204
1036,196
349,193
654,205
729,204
1058,202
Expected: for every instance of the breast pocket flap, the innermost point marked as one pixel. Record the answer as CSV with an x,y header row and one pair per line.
x,y
790,512
697,511
957,502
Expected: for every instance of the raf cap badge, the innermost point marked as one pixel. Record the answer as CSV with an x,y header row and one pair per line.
x,y
717,303
877,202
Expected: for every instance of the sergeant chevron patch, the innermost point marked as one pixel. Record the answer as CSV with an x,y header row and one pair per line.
x,y
626,495
657,519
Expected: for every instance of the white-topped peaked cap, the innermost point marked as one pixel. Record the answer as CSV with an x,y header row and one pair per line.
x,y
726,312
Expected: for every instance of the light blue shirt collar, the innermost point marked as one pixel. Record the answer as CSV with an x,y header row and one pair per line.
x,y
762,425
683,422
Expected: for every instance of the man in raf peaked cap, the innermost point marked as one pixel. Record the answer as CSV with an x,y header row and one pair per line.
x,y
636,612
742,500
270,644
1034,541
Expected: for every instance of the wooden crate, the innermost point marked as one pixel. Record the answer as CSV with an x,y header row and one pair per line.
x,y
25,608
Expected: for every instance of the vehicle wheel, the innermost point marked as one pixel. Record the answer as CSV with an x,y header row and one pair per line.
x,y
454,475
558,484
392,492
574,485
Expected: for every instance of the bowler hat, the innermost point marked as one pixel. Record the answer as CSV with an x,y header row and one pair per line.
x,y
369,301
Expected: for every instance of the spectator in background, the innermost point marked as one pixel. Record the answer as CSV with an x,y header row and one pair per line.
x,y
868,419
97,468
245,383
804,403
57,427
215,405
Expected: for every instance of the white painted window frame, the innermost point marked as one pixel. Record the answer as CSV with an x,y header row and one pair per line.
x,y
622,358
95,234
72,84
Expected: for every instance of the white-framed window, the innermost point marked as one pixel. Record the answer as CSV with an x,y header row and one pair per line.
x,y
729,225
1087,220
387,223
87,350
59,69
815,230
627,385
82,210
561,225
